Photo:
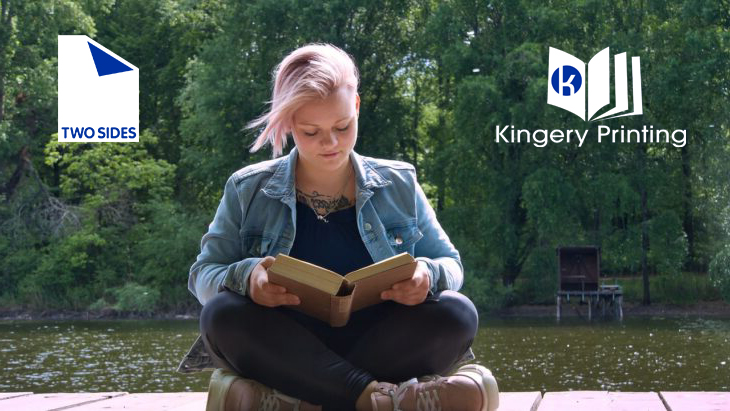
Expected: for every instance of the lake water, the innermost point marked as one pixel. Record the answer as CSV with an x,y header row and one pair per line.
x,y
524,354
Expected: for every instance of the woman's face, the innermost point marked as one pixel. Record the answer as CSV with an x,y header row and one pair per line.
x,y
325,131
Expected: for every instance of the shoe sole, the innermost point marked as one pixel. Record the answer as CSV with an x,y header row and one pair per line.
x,y
487,384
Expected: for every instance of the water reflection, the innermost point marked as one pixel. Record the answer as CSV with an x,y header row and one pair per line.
x,y
638,355
73,356
525,355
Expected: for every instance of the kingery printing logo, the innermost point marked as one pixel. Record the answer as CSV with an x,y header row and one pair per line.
x,y
567,84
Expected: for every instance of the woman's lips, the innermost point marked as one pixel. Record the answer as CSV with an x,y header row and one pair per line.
x,y
330,155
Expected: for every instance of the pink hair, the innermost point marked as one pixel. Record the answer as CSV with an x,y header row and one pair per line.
x,y
310,72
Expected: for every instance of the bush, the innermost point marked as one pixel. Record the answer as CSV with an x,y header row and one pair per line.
x,y
685,288
538,282
64,273
486,295
133,297
720,272
675,289
669,245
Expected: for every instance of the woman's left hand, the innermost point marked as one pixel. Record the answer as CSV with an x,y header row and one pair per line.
x,y
413,290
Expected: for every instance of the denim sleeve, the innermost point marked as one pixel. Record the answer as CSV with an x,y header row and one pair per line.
x,y
435,248
220,263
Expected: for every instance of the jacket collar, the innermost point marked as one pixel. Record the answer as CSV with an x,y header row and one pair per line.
x,y
281,183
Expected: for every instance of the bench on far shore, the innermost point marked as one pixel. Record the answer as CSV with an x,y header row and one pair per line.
x,y
509,401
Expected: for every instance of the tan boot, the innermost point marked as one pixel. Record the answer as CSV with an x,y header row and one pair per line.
x,y
471,388
230,392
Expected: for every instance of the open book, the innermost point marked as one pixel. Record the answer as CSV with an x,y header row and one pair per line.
x,y
331,297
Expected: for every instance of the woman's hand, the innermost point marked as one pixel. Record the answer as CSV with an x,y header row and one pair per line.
x,y
263,292
413,290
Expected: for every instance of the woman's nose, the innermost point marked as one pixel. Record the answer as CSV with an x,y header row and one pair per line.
x,y
330,139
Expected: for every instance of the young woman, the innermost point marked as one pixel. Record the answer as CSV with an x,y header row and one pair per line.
x,y
326,204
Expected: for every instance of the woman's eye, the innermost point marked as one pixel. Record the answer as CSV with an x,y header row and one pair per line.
x,y
315,133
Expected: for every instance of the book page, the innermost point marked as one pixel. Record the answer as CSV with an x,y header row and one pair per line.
x,y
305,272
384,265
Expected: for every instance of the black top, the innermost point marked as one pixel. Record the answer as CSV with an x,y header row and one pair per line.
x,y
335,245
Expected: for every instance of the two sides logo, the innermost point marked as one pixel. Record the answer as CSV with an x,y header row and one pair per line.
x,y
98,93
567,84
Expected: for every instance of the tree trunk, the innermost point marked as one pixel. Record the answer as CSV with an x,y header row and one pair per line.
x,y
23,163
688,217
641,154
6,34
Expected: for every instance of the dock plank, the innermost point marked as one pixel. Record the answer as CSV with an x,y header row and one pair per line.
x,y
178,401
519,401
632,401
574,401
53,401
6,395
696,401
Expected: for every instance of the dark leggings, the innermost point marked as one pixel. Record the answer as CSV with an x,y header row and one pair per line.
x,y
307,359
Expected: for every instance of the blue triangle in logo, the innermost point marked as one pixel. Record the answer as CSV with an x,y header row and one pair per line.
x,y
106,64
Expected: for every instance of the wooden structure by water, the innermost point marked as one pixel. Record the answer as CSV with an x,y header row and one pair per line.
x,y
579,269
509,401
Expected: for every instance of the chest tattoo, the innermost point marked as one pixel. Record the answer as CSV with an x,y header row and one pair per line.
x,y
323,204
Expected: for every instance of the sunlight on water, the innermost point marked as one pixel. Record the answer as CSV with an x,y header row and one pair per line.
x,y
524,354
638,355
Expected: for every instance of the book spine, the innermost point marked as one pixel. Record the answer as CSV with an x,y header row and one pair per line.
x,y
340,310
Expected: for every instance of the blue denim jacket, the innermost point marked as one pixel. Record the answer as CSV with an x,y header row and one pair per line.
x,y
257,218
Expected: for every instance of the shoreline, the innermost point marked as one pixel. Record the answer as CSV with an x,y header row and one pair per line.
x,y
709,309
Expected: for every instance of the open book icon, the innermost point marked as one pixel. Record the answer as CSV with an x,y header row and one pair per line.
x,y
567,84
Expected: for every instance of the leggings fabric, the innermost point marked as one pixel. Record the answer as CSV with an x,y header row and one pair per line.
x,y
306,358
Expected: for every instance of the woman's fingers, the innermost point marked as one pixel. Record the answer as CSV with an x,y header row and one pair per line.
x,y
405,293
265,293
272,288
277,299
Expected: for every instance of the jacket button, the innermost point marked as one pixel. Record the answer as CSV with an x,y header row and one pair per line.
x,y
368,226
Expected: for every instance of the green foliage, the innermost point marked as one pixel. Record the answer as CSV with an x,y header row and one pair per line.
x,y
103,175
679,289
93,224
549,201
539,278
720,272
63,275
129,298
166,241
486,294
668,243
132,297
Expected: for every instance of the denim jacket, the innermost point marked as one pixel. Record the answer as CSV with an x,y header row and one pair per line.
x,y
257,218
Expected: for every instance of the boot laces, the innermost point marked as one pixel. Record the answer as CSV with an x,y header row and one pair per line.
x,y
271,401
426,401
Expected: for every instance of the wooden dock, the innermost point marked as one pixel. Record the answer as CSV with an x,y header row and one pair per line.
x,y
509,401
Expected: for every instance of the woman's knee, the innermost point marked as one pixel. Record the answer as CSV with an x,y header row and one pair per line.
x,y
218,313
458,312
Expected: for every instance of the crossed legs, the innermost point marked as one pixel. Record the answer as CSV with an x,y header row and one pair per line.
x,y
307,359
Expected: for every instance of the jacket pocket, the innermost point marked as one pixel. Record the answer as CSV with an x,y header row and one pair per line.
x,y
403,237
255,245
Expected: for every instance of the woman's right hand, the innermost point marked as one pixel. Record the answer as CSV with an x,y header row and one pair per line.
x,y
263,292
